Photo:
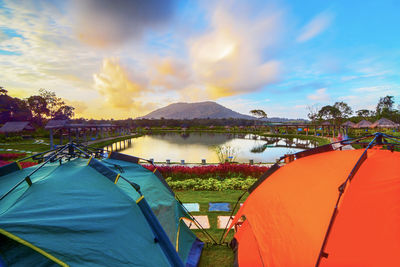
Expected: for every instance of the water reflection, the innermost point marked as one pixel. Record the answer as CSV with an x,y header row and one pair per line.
x,y
193,147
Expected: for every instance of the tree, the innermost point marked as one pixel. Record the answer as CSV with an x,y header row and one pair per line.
x,y
365,113
329,113
259,113
38,106
57,107
19,110
64,112
344,109
3,91
384,108
385,103
12,109
313,112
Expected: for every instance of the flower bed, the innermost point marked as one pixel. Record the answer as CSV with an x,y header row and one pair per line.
x,y
24,164
8,156
220,171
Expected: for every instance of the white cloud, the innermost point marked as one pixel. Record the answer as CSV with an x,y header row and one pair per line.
x,y
316,26
320,95
227,59
381,89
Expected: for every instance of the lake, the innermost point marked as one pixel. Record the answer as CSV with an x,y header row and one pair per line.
x,y
193,147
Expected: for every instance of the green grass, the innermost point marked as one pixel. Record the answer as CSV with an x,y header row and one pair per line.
x,y
27,145
213,255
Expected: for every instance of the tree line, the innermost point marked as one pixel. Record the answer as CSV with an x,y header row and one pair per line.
x,y
36,108
341,111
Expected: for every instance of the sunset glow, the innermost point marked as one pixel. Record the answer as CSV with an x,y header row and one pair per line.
x,y
124,60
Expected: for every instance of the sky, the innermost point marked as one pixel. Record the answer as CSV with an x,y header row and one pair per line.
x,y
124,58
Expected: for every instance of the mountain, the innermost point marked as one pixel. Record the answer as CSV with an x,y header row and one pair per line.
x,y
207,109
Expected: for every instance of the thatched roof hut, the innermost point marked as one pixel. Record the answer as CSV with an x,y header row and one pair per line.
x,y
16,126
384,123
349,124
363,124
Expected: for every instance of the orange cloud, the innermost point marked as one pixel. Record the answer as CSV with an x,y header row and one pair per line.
x,y
119,87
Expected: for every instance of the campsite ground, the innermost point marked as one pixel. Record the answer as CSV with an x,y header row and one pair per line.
x,y
213,255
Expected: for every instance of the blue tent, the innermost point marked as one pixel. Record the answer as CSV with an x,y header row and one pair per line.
x,y
75,212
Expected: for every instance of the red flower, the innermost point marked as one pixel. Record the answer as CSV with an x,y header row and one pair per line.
x,y
23,164
7,156
220,171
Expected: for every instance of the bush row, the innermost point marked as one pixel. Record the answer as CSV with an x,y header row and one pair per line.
x,y
211,184
4,139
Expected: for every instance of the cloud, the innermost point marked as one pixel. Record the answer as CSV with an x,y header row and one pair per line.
x,y
3,36
316,26
171,74
320,95
80,106
103,23
230,58
118,86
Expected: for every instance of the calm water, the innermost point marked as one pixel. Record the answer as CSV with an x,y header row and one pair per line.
x,y
196,146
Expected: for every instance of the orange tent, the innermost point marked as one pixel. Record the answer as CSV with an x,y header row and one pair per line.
x,y
326,208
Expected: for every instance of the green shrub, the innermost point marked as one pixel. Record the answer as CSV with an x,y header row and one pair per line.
x,y
211,184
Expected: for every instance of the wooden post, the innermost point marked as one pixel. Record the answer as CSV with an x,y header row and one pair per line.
x,y
51,139
69,135
61,136
315,130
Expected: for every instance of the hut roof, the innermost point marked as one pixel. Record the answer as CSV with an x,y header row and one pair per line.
x,y
363,124
15,126
384,123
326,123
349,124
55,124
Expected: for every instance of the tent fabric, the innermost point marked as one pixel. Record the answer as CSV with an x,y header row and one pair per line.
x,y
287,216
366,230
75,215
163,203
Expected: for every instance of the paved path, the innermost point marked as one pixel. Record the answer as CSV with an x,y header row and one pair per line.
x,y
346,147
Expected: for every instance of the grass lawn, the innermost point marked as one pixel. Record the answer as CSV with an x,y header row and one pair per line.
x,y
24,145
213,255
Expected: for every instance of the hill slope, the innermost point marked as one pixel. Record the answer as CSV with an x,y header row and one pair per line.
x,y
207,109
